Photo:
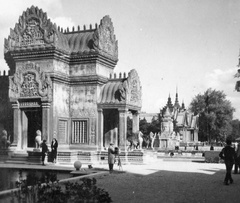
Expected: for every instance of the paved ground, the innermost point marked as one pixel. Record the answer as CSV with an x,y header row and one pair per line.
x,y
171,182
165,181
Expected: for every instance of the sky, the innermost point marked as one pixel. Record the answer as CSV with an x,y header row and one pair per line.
x,y
183,45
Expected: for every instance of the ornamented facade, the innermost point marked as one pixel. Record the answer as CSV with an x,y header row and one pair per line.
x,y
177,124
59,82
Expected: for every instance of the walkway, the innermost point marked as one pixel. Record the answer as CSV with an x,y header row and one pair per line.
x,y
164,181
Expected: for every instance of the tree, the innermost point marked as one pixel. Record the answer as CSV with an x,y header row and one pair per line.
x,y
235,128
215,115
143,126
154,126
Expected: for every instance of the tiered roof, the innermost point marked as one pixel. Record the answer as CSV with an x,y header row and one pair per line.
x,y
35,32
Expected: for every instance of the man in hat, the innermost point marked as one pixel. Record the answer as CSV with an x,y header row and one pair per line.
x,y
111,157
229,156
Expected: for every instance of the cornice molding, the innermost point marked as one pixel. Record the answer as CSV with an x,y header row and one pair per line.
x,y
78,80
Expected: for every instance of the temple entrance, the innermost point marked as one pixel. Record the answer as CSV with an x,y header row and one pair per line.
x,y
111,120
32,121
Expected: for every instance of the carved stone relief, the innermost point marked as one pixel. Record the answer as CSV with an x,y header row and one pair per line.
x,y
83,101
30,81
130,91
34,28
104,38
93,131
83,69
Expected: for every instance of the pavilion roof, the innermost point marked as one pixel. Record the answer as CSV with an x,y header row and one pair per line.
x,y
122,92
35,32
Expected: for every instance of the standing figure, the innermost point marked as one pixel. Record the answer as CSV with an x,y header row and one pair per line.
x,y
44,151
237,161
111,157
228,155
54,146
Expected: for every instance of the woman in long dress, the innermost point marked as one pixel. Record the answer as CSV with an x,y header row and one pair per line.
x,y
54,146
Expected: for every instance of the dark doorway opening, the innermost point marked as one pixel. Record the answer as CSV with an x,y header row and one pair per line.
x,y
111,127
34,119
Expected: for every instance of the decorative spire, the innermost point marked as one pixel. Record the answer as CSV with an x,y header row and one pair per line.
x,y
183,105
176,104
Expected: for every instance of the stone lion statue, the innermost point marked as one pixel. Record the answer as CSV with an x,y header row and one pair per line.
x,y
38,139
4,142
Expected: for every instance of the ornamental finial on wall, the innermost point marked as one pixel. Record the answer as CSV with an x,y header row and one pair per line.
x,y
105,40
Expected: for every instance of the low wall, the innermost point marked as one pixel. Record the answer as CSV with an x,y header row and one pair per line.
x,y
212,157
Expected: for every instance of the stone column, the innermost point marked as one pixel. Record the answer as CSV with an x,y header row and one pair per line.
x,y
135,122
17,134
122,129
100,130
46,121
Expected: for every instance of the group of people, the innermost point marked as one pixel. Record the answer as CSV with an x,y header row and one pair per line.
x,y
53,154
230,157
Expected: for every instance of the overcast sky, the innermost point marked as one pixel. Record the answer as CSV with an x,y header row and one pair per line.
x,y
188,44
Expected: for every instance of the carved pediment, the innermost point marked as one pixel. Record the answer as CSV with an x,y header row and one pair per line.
x,y
29,81
134,89
33,28
104,39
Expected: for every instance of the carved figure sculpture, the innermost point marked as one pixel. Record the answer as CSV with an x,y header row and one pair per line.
x,y
152,138
38,139
140,139
5,143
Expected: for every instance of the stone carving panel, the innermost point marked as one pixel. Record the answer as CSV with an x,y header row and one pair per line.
x,y
130,91
61,99
93,131
83,101
83,69
30,81
104,38
33,28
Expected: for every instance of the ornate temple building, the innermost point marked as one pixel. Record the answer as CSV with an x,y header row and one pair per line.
x,y
62,83
177,124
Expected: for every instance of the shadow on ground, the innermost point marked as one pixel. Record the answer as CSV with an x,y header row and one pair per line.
x,y
171,186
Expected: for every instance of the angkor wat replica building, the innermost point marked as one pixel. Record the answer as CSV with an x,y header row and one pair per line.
x,y
62,83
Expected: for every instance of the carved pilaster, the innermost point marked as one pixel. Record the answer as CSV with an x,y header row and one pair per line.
x,y
100,129
46,120
17,134
122,129
135,122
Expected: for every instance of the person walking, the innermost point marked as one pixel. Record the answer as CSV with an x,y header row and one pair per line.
x,y
111,157
237,161
44,151
54,146
229,156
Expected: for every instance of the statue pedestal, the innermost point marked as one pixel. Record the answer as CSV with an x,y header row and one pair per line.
x,y
3,155
35,157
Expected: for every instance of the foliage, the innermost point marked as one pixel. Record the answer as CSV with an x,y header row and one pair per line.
x,y
143,126
33,190
235,128
154,126
215,115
